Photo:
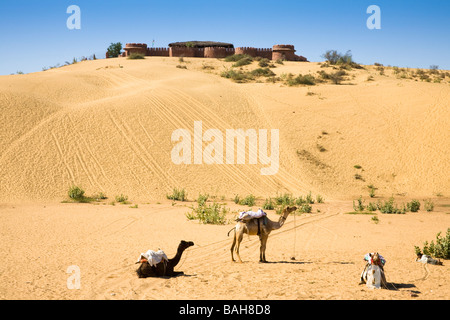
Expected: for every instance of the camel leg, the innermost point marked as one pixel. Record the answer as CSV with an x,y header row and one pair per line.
x,y
262,255
232,245
239,237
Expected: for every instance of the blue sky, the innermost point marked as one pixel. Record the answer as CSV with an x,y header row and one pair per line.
x,y
413,33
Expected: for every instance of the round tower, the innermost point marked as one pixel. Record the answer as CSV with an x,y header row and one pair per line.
x,y
283,52
135,48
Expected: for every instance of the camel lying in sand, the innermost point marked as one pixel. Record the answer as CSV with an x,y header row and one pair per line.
x,y
251,227
166,267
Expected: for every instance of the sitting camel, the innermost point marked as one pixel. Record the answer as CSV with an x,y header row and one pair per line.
x,y
257,227
165,268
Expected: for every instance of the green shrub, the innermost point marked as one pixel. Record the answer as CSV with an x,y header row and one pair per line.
x,y
248,200
76,193
213,213
136,56
389,207
413,206
359,205
237,76
299,201
319,198
262,72
284,199
309,198
177,194
429,205
305,208
264,62
440,249
202,198
121,198
236,199
371,190
243,62
308,80
268,205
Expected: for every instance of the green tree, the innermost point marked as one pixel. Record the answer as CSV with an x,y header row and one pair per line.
x,y
114,50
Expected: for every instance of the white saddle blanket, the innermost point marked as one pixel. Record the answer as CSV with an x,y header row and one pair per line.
x,y
153,257
247,215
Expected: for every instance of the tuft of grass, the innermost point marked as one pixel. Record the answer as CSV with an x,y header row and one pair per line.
x,y
413,206
268,205
305,208
358,206
307,79
248,200
309,198
202,198
76,193
237,76
177,194
179,66
390,206
285,199
262,72
243,62
429,205
319,199
371,190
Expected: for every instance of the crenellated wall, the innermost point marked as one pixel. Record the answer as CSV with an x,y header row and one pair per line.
x,y
158,52
279,51
264,53
246,50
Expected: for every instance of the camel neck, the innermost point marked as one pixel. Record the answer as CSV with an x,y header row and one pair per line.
x,y
177,257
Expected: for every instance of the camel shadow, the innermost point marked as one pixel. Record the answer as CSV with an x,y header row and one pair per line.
x,y
397,286
288,262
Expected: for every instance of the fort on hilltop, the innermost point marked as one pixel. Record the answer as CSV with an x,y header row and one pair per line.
x,y
212,49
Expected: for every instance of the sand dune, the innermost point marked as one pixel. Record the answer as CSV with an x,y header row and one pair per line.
x,y
106,126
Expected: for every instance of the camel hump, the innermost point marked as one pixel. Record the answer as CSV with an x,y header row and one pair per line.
x,y
153,257
249,215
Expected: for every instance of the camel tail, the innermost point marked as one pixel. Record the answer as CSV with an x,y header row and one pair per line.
x,y
228,234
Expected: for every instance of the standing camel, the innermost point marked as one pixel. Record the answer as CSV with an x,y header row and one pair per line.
x,y
166,267
251,227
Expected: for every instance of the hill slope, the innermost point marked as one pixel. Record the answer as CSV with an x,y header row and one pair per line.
x,y
106,125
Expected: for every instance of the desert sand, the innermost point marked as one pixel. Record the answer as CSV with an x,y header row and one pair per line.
x,y
106,125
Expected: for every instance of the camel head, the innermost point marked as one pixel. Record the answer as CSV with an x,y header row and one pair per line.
x,y
184,245
376,258
290,209
285,214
